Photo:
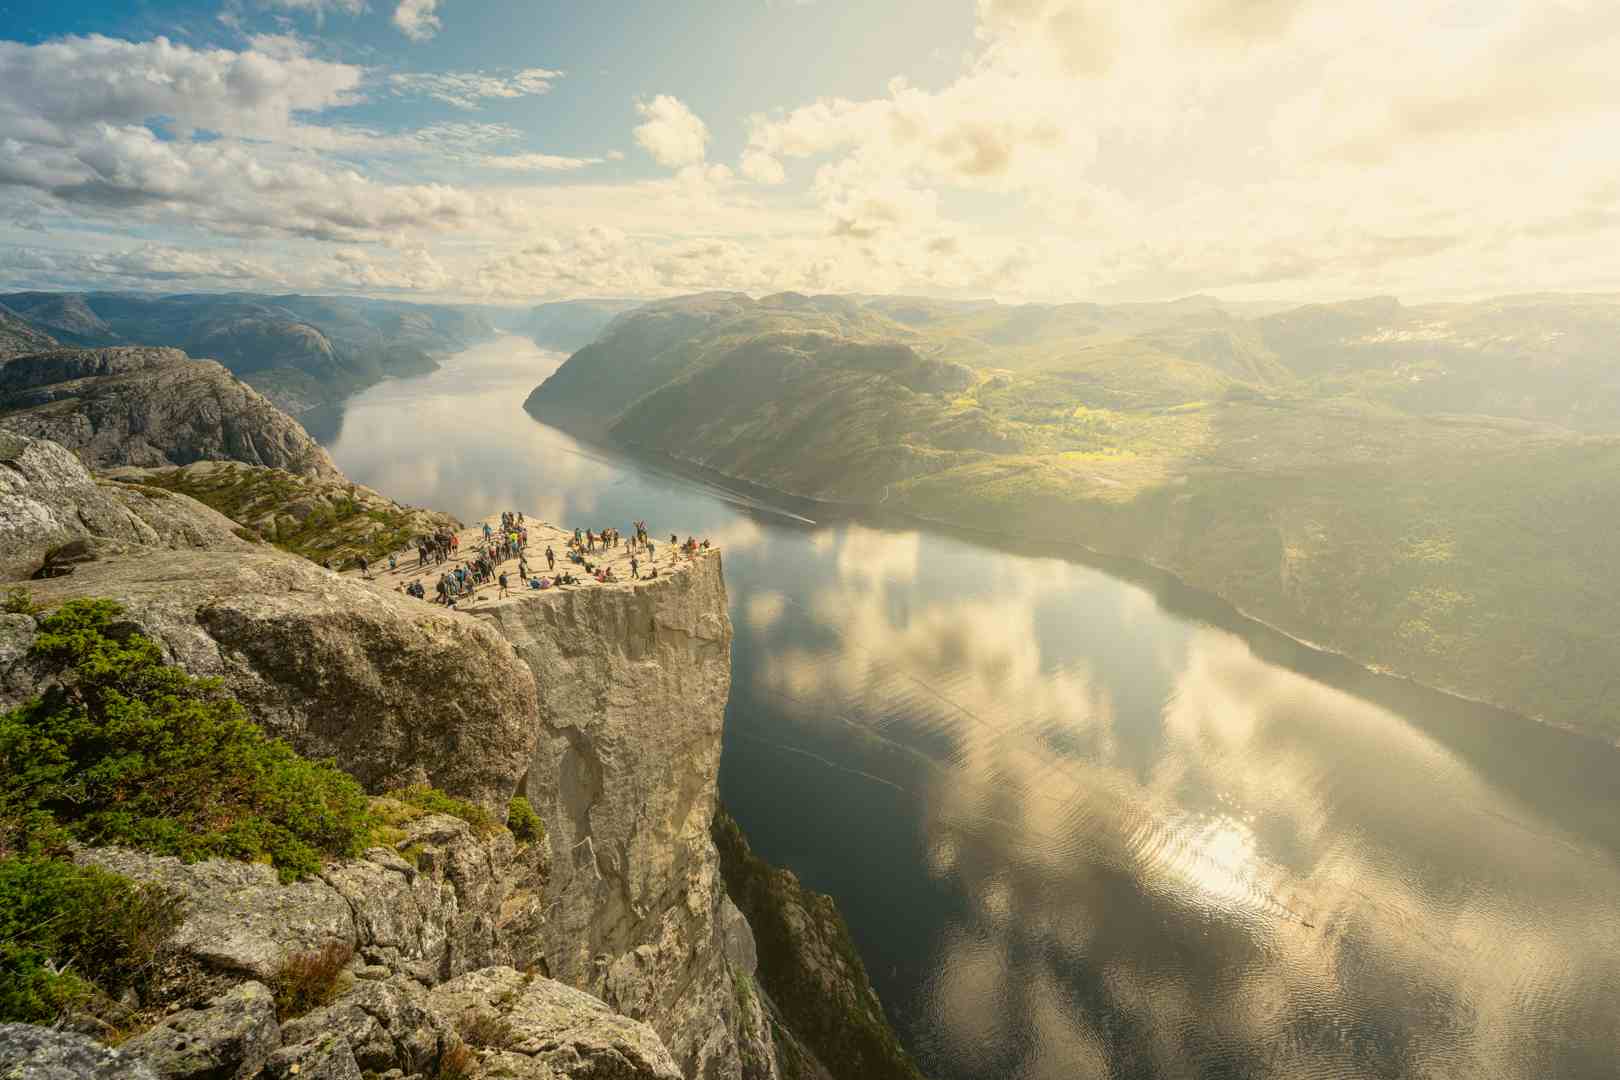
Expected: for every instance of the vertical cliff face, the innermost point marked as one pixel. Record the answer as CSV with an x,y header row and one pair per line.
x,y
632,683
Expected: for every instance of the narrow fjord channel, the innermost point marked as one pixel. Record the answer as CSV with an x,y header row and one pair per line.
x,y
1078,830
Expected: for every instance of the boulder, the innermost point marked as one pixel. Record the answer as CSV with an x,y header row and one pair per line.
x,y
551,1030
48,500
326,1057
36,1053
237,918
385,1025
229,1039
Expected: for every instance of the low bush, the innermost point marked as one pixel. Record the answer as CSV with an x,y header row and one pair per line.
x,y
63,925
526,826
311,980
128,750
486,1030
457,1063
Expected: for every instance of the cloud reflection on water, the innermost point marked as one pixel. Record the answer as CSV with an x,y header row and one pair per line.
x,y
1293,879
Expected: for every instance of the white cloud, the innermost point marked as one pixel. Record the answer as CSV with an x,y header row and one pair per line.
x,y
673,134
538,162
417,19
318,8
466,89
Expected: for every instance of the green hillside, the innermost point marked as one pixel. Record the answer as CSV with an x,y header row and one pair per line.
x,y
1432,490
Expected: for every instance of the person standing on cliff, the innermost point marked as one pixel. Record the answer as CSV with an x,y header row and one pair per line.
x,y
551,558
503,584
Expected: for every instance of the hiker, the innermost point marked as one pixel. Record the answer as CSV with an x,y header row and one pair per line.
x,y
365,567
635,570
503,586
551,558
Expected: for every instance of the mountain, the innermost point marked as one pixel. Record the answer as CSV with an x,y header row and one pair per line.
x,y
571,324
18,336
303,352
151,407
1431,489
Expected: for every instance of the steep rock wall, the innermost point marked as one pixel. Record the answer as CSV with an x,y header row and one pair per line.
x,y
632,684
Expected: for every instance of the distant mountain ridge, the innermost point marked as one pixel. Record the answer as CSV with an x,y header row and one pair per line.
x,y
303,352
134,405
1432,489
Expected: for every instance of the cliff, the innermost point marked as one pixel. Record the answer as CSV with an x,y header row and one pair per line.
x,y
602,704
151,407
632,682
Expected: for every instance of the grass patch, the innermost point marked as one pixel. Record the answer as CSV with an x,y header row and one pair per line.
x,y
129,750
63,925
417,801
19,601
308,981
526,826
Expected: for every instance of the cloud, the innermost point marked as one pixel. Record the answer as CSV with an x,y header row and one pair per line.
x,y
318,8
538,162
161,132
417,19
466,89
673,134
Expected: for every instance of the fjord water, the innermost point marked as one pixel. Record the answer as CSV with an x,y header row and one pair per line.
x,y
1087,827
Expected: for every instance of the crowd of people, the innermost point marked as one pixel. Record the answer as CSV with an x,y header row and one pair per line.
x,y
586,552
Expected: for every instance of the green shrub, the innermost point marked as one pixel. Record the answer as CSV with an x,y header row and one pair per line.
x,y
131,751
433,801
308,981
18,601
62,926
526,826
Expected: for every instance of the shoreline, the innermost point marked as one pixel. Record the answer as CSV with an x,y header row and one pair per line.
x,y
1165,585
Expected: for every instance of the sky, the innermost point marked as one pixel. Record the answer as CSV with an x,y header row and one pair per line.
x,y
1027,150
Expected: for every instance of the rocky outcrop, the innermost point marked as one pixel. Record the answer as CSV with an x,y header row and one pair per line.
x,y
48,500
545,1029
149,407
318,517
426,918
36,1053
604,705
401,692
230,1038
632,685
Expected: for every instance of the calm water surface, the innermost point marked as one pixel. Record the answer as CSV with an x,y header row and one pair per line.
x,y
1083,827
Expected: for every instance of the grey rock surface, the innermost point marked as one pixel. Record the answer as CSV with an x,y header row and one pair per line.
x,y
35,1053
385,1025
399,691
632,685
237,918
230,1039
151,406
327,1057
429,922
555,1030
48,499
